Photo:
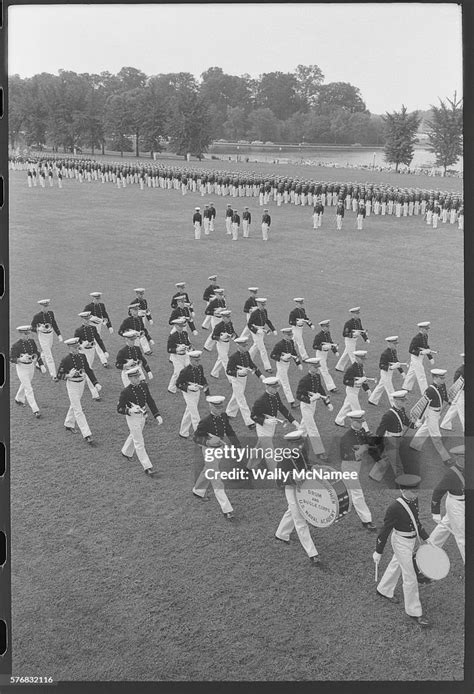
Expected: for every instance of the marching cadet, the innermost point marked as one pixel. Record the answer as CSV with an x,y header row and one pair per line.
x,y
25,355
206,215
351,332
246,222
339,214
197,223
457,401
208,293
222,334
461,218
135,322
74,369
264,413
354,379
257,321
453,522
130,356
132,403
361,212
144,311
318,212
266,223
436,213
182,310
249,306
97,308
418,349
282,352
229,213
209,434
293,519
388,362
88,336
213,310
308,392
322,343
44,323
239,366
435,394
391,430
191,381
178,347
297,319
353,445
181,287
212,218
235,225
402,520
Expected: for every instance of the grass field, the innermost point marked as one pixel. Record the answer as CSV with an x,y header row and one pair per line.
x,y
120,577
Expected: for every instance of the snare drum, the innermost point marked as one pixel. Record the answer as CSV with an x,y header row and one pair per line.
x,y
323,502
431,562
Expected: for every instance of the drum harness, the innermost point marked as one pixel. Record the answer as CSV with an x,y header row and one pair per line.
x,y
412,518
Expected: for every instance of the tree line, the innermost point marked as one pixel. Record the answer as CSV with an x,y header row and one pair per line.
x,y
132,111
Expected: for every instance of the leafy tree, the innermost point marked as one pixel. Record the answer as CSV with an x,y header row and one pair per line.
x,y
400,133
131,78
445,132
341,95
118,120
189,125
153,117
235,127
277,91
309,79
264,125
16,107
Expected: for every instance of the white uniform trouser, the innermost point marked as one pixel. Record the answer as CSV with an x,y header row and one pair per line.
x,y
430,427
209,344
435,219
328,380
100,353
294,520
135,441
46,342
143,343
207,321
385,383
228,225
246,331
197,230
222,357
90,354
351,402
457,408
402,563
360,221
238,401
265,228
191,414
452,523
202,484
126,380
246,228
75,414
391,458
309,426
259,345
416,370
339,221
355,490
348,354
235,231
282,373
265,433
298,338
179,361
206,222
25,374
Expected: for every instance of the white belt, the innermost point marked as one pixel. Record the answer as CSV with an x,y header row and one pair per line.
x,y
455,496
404,534
392,434
435,409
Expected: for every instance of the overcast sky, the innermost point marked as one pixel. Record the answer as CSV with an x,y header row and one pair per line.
x,y
395,53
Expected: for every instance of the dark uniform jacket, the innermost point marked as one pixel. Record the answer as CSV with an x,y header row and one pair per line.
x,y
387,357
397,518
223,327
297,313
451,482
311,383
126,353
24,347
134,323
46,317
76,361
258,319
88,333
354,371
323,336
238,359
98,309
271,405
177,338
192,374
138,395
215,425
284,346
420,341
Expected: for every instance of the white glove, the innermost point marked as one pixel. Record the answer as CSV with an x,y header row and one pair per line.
x,y
336,354
296,424
360,380
43,369
376,557
300,367
437,517
432,362
368,341
275,332
150,376
106,355
98,387
151,323
394,366
159,419
429,541
262,377
330,407
152,342
111,330
313,328
418,423
60,338
368,393
195,332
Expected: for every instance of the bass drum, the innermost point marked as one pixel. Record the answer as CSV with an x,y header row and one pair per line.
x,y
431,563
323,502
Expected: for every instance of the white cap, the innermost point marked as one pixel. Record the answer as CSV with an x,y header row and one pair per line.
x,y
298,299
286,330
356,414
252,289
84,314
131,334
219,290
195,353
215,399
139,289
133,372
360,353
180,297
180,284
197,208
399,394
271,381
438,372
356,309
325,322
24,328
95,319
226,312
95,294
241,340
43,302
137,306
392,338
294,435
179,321
261,300
212,277
313,360
424,324
72,341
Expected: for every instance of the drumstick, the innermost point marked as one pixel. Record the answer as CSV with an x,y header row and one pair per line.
x,y
376,572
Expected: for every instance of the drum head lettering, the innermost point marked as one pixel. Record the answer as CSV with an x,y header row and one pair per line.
x,y
318,502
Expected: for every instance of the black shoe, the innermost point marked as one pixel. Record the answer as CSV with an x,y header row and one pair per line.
x,y
422,621
207,349
201,498
88,439
37,414
394,599
212,376
251,426
97,399
269,371
128,457
370,526
150,472
372,403
316,560
106,366
294,405
71,430
341,370
55,379
21,404
339,425
334,390
280,539
230,516
173,392
181,436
